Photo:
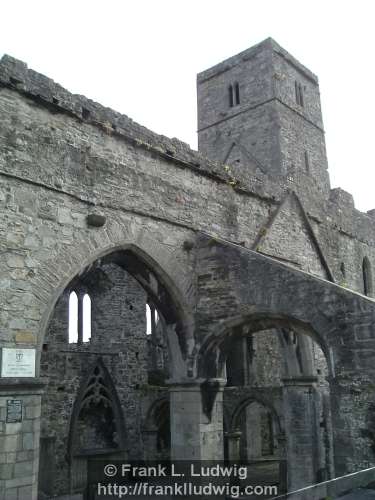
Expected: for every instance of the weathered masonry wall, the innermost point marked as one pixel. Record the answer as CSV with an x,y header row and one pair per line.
x,y
118,338
89,161
344,333
19,442
80,182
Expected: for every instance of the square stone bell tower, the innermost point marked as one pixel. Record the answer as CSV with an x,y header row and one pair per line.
x,y
260,110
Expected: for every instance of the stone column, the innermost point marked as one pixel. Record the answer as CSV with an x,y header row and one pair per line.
x,y
197,420
299,400
253,426
283,466
150,436
19,440
234,441
353,422
328,437
237,362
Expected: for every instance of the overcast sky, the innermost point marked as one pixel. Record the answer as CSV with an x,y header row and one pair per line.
x,y
141,57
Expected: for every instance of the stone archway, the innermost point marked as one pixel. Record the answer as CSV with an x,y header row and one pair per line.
x,y
238,286
257,437
157,431
304,451
150,263
97,426
146,276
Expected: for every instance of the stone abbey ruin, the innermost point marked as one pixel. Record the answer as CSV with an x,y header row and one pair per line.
x,y
181,304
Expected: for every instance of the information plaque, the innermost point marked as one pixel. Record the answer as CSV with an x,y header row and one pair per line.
x,y
14,411
17,362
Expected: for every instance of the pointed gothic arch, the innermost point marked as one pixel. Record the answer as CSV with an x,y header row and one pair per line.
x,y
161,282
97,394
256,398
213,351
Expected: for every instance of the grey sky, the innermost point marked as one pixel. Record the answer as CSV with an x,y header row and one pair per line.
x,y
141,57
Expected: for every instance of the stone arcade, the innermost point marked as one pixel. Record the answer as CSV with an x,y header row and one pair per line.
x,y
212,304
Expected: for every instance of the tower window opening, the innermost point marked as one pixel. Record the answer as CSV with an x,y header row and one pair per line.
x,y
230,91
234,95
299,93
367,277
307,162
343,270
237,93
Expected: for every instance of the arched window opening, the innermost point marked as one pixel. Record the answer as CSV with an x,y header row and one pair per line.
x,y
86,323
152,319
158,441
234,94
367,277
256,423
237,93
230,92
148,320
342,269
299,94
73,318
79,318
307,162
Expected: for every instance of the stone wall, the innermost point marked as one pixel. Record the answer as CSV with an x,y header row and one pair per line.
x,y
65,159
118,338
19,441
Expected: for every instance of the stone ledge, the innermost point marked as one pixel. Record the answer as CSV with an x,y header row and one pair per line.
x,y
26,385
303,380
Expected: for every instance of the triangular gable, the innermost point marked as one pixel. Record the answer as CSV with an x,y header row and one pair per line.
x,y
289,237
238,156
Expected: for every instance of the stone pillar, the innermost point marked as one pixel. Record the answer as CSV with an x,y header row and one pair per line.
x,y
253,426
234,441
283,466
328,436
302,448
19,440
353,422
197,420
237,361
150,436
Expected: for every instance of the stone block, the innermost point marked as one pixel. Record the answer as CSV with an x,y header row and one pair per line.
x,y
15,261
13,428
9,443
25,493
11,457
12,494
23,468
25,337
33,411
19,481
28,441
6,471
